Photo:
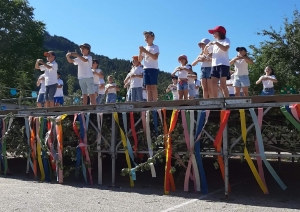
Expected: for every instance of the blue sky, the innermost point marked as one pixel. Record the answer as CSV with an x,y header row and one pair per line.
x,y
114,27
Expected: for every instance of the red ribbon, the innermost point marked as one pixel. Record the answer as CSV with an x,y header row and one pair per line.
x,y
33,144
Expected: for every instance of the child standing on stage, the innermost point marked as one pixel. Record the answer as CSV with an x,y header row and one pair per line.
x,y
197,86
173,88
135,77
85,74
205,69
101,91
111,89
267,80
183,71
97,74
59,95
150,55
241,74
220,59
41,96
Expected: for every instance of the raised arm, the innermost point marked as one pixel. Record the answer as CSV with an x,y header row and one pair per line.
x,y
68,58
248,60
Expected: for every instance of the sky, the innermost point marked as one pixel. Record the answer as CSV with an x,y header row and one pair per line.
x,y
114,28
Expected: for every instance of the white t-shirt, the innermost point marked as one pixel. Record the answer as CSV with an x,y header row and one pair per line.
x,y
59,91
229,86
96,77
219,57
101,90
84,68
268,83
206,64
174,91
112,90
241,68
42,85
148,61
50,74
182,74
144,94
197,83
136,82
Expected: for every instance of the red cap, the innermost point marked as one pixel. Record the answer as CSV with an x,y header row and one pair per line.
x,y
218,29
182,56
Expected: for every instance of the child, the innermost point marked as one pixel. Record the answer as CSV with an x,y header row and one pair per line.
x,y
85,74
173,88
183,71
135,76
192,87
220,59
197,86
267,80
241,74
205,69
50,69
101,91
59,95
41,96
97,73
150,56
111,90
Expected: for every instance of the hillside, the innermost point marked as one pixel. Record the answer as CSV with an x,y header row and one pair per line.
x,y
116,67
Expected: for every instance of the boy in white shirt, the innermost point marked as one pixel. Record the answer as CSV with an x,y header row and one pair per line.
x,y
101,91
111,89
50,69
136,80
97,73
173,88
41,96
59,95
150,54
197,86
85,74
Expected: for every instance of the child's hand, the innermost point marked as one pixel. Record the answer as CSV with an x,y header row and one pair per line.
x,y
142,49
74,54
39,60
68,54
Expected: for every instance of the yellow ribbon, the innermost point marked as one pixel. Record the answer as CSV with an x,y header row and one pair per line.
x,y
39,148
246,153
123,138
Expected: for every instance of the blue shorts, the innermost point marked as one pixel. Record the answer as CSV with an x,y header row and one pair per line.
x,y
59,99
128,95
99,99
50,92
40,98
192,90
220,71
136,94
111,98
267,92
87,85
241,81
205,72
150,76
183,85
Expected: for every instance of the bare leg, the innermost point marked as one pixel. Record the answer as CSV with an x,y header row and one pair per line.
x,y
47,104
92,99
185,94
214,87
51,103
224,87
84,100
154,93
245,91
180,94
237,91
204,88
149,93
209,87
39,105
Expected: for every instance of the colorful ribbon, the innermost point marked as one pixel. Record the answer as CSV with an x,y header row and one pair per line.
x,y
99,138
29,160
33,144
124,118
262,150
49,138
155,121
258,158
246,153
39,148
294,112
149,143
44,148
124,142
287,114
169,180
59,162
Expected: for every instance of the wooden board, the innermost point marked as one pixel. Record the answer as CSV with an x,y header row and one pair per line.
x,y
193,104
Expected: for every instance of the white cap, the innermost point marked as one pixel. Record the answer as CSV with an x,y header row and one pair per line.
x,y
205,41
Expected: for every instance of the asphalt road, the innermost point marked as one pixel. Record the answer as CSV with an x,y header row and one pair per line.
x,y
22,194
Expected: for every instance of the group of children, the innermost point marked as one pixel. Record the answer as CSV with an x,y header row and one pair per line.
x,y
141,80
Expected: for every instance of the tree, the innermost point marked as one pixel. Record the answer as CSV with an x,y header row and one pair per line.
x,y
21,42
281,51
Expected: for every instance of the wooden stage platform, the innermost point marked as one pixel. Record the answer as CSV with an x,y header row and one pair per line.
x,y
211,104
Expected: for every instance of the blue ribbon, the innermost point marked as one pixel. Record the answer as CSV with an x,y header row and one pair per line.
x,y
288,109
28,141
46,166
200,122
155,120
133,175
262,150
84,170
78,161
82,134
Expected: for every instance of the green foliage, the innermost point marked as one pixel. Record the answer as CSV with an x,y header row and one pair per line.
x,y
21,41
280,51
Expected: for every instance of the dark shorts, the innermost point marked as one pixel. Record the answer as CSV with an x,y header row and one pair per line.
x,y
40,98
150,76
50,92
59,100
220,71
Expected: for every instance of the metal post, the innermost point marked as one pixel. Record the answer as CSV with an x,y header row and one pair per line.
x,y
113,151
225,154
